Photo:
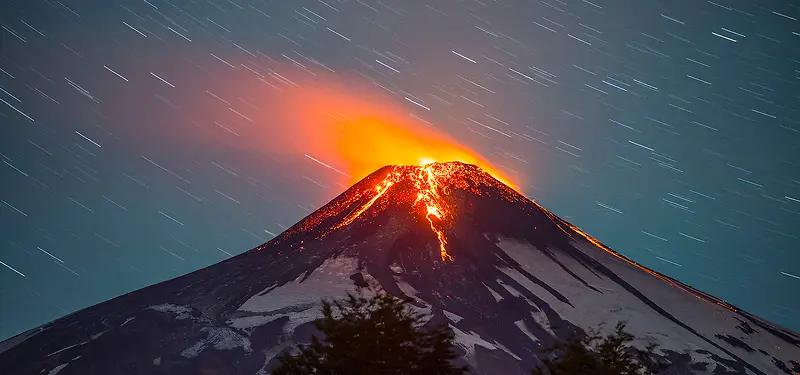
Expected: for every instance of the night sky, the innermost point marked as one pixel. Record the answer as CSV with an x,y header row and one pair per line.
x,y
138,137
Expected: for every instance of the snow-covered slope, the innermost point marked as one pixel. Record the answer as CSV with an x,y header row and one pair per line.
x,y
507,276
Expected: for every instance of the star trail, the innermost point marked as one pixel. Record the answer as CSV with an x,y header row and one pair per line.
x,y
142,139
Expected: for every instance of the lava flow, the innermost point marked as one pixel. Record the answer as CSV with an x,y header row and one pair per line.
x,y
430,184
428,187
425,191
381,189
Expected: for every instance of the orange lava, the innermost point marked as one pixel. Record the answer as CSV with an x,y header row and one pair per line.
x,y
430,184
354,130
380,189
427,183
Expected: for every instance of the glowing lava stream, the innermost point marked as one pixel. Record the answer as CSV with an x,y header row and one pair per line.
x,y
429,195
381,189
426,182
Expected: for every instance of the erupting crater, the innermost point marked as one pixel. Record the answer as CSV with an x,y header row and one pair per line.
x,y
429,185
426,190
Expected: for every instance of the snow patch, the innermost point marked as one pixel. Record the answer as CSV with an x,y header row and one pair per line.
x,y
68,348
406,288
497,296
614,303
594,308
507,287
396,268
58,368
220,339
426,313
522,327
453,317
300,300
541,319
181,312
270,354
509,352
331,279
468,341
299,318
127,321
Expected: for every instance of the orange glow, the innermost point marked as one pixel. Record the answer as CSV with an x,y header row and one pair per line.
x,y
332,122
380,189
429,182
426,189
356,130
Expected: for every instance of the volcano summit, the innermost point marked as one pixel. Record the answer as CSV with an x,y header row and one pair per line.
x,y
507,276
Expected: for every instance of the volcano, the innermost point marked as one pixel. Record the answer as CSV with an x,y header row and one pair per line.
x,y
506,275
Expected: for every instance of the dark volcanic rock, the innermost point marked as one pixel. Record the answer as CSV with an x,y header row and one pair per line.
x,y
736,343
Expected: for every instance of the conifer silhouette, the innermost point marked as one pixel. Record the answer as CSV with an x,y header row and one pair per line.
x,y
373,335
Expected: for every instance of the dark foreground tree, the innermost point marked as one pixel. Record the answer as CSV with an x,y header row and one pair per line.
x,y
597,355
375,335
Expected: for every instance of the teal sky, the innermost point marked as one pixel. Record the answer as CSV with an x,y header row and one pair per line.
x,y
668,130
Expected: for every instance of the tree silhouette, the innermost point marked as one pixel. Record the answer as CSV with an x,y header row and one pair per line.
x,y
597,355
372,335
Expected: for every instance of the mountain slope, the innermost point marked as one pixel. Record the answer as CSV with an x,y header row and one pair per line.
x,y
508,276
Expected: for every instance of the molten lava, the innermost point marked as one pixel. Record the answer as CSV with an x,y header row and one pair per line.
x,y
430,183
380,190
425,189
